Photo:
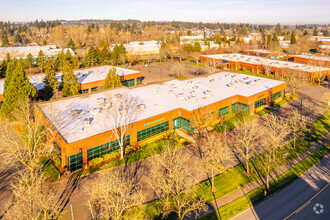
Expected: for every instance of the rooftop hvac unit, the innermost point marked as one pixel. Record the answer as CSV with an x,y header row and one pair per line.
x,y
193,98
231,85
81,130
193,93
118,96
123,111
108,105
208,93
157,90
234,55
258,81
233,76
100,100
84,75
75,113
190,82
172,86
195,88
141,107
180,96
86,122
212,81
95,111
240,81
171,93
241,56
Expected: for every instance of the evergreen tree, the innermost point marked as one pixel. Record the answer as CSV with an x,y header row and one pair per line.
x,y
17,87
112,80
105,55
305,33
326,33
41,60
51,74
70,82
218,39
5,42
71,44
17,38
197,47
278,29
28,61
44,42
275,38
269,39
293,38
315,32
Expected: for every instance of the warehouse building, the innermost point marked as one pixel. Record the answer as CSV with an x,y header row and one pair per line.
x,y
257,65
310,59
22,52
83,125
90,79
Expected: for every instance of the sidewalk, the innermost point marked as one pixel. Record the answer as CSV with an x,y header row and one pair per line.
x,y
256,184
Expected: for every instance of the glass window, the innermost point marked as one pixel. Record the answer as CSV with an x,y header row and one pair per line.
x,y
0,104
259,103
223,111
128,83
138,81
94,89
84,91
106,148
149,132
182,123
75,162
240,107
276,95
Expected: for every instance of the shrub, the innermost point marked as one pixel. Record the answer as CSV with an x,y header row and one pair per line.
x,y
129,148
111,155
56,159
278,100
229,115
279,104
97,160
259,109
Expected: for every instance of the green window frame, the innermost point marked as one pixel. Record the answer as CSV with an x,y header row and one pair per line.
x,y
75,162
84,91
259,103
94,89
276,95
240,107
128,83
0,104
149,132
182,123
106,148
138,81
223,111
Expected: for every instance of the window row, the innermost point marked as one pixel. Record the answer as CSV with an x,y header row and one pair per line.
x,y
75,162
149,132
276,95
223,111
240,107
259,103
104,149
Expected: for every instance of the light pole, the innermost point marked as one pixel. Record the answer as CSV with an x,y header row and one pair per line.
x,y
225,145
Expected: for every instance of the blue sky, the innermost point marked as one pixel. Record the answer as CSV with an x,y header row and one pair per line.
x,y
245,11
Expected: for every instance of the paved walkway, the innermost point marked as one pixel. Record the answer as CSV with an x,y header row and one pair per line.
x,y
261,182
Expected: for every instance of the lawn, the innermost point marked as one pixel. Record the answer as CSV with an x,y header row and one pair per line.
x,y
233,208
49,170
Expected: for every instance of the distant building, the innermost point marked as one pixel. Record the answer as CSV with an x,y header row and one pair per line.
x,y
90,79
285,43
141,47
321,38
310,59
22,52
191,39
264,53
257,65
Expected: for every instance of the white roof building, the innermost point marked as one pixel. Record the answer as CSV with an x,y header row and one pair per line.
x,y
22,52
157,99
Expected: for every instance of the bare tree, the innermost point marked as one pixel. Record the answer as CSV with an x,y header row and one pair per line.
x,y
319,73
177,70
33,198
245,139
294,79
296,125
211,66
114,195
123,115
275,132
31,145
214,155
169,178
265,67
201,121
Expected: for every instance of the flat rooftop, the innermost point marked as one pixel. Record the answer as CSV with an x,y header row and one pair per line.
x,y
314,57
265,61
157,99
85,75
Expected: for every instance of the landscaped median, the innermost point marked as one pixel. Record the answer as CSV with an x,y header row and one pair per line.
x,y
235,178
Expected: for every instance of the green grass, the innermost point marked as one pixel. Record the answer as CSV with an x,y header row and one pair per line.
x,y
263,112
49,169
233,208
279,104
230,123
232,179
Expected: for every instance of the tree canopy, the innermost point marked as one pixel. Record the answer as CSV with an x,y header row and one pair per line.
x,y
112,80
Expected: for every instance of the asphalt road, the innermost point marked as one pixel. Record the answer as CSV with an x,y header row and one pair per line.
x,y
297,200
